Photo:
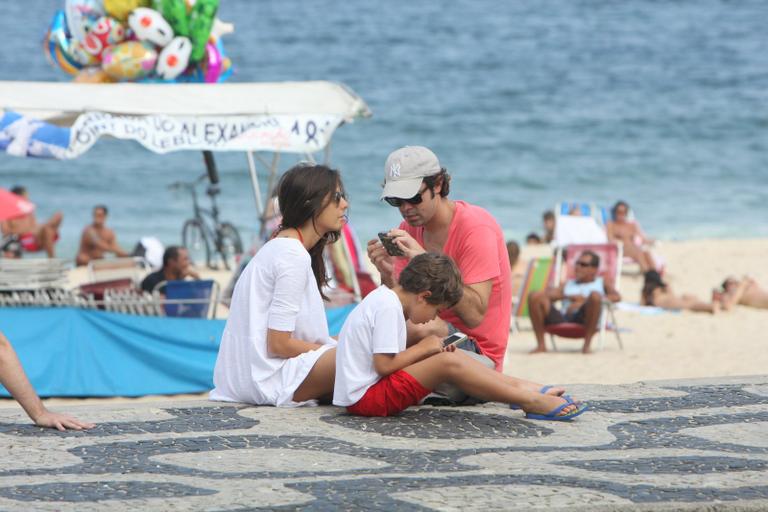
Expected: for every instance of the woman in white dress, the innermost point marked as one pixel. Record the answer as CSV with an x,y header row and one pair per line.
x,y
276,349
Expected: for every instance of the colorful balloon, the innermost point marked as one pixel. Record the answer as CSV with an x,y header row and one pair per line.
x,y
130,60
80,15
175,13
57,45
213,63
200,23
120,9
104,33
174,58
93,75
149,25
81,55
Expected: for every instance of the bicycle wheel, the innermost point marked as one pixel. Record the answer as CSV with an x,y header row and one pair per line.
x,y
194,239
230,244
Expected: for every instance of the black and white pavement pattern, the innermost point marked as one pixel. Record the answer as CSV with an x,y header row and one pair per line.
x,y
673,445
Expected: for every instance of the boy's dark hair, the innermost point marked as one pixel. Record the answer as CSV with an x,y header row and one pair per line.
x,y
434,273
532,237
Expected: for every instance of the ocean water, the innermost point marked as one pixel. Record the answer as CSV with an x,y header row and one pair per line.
x,y
661,103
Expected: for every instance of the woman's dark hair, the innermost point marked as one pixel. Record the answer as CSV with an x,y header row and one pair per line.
x,y
445,182
436,274
303,192
652,281
616,207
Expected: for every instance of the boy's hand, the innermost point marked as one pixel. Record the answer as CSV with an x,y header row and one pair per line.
x,y
432,344
450,348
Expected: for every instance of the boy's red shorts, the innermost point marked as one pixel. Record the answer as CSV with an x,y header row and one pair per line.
x,y
391,395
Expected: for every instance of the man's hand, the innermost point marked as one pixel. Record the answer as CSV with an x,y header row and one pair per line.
x,y
407,243
60,421
382,261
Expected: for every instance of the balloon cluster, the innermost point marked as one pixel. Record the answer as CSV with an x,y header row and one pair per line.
x,y
139,40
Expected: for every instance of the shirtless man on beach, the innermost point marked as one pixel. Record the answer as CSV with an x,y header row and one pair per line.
x,y
745,292
33,236
629,234
97,239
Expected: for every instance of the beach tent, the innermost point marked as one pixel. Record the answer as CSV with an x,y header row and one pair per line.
x,y
63,121
281,117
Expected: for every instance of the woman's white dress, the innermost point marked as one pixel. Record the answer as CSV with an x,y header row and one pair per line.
x,y
277,290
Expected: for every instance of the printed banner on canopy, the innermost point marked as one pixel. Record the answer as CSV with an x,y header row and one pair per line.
x,y
162,134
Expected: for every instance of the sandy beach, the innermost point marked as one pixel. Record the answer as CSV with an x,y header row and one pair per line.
x,y
669,345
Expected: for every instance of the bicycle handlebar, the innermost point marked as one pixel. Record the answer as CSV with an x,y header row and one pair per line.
x,y
187,184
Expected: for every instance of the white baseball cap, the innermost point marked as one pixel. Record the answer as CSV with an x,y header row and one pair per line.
x,y
404,170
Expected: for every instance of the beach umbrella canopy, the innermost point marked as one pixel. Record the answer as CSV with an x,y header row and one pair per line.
x,y
12,205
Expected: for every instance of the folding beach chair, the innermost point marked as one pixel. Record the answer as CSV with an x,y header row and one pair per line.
x,y
599,213
538,275
190,299
610,269
108,269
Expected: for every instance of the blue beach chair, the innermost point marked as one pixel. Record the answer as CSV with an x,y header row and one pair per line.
x,y
202,297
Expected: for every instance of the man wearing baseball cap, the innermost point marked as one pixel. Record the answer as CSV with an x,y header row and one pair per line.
x,y
416,184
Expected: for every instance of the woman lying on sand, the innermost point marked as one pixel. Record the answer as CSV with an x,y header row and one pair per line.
x,y
745,292
658,293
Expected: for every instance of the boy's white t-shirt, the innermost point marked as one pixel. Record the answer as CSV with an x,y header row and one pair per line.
x,y
375,326
277,290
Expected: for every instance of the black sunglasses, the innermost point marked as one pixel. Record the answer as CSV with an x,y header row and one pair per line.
x,y
397,202
338,196
584,264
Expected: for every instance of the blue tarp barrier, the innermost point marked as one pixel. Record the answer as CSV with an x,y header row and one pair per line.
x,y
83,352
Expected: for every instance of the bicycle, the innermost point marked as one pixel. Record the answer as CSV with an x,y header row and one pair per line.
x,y
198,235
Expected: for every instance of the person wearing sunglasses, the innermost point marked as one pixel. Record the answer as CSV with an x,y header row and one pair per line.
x,y
417,185
581,301
276,348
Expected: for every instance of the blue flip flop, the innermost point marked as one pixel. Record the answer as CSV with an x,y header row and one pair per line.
x,y
553,414
543,391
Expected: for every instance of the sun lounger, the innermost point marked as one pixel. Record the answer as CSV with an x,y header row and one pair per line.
x,y
538,276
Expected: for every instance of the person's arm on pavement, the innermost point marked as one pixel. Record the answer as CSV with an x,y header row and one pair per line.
x,y
14,379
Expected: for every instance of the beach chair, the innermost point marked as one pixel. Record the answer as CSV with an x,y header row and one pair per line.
x,y
601,214
538,275
190,299
610,269
108,269
33,274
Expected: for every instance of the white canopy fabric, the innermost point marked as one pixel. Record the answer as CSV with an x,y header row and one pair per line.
x,y
296,117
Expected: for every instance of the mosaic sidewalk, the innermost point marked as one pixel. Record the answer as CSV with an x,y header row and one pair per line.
x,y
674,445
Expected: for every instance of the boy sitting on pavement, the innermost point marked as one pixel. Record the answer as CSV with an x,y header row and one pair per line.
x,y
376,375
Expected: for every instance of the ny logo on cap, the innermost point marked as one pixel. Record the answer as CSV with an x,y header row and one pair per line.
x,y
394,170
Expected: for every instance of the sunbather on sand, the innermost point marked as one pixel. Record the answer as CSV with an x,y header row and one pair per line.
x,y
620,229
658,293
745,292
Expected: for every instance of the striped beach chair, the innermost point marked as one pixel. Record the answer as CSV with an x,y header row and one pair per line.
x,y
538,275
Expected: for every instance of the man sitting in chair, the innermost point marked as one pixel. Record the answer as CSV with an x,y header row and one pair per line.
x,y
176,267
582,301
